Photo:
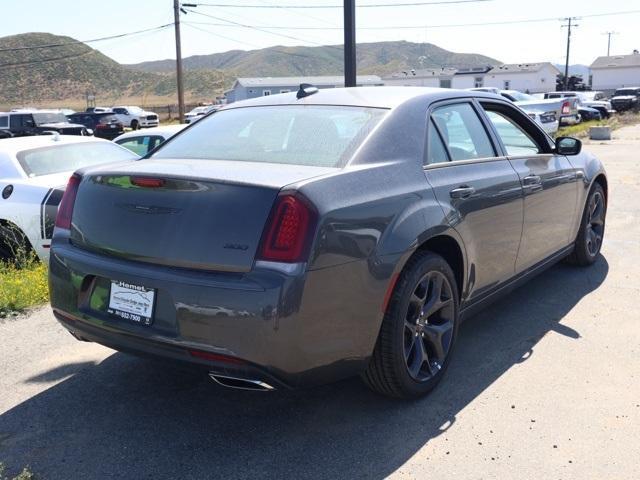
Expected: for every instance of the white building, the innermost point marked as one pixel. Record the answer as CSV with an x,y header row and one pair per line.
x,y
532,77
609,73
537,77
427,77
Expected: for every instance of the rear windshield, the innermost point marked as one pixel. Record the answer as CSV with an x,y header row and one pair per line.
x,y
315,135
628,91
49,117
70,157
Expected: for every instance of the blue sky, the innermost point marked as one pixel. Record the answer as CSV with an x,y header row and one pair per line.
x,y
525,42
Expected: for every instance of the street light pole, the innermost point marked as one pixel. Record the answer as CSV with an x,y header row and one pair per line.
x,y
176,14
349,43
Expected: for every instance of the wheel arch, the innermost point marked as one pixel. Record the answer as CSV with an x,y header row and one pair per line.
x,y
601,179
8,224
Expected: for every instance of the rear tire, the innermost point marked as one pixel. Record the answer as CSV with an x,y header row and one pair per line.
x,y
591,233
418,331
14,245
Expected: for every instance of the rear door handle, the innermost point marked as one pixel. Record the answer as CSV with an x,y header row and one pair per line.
x,y
531,180
462,191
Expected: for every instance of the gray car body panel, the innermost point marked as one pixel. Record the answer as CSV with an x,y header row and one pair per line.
x,y
317,322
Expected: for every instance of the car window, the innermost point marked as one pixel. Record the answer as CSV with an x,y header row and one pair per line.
x,y
141,145
315,135
70,157
4,121
516,141
120,111
436,151
463,132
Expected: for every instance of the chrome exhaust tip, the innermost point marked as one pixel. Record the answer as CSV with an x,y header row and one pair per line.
x,y
241,383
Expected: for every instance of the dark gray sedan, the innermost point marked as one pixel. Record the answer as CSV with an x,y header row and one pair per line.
x,y
302,238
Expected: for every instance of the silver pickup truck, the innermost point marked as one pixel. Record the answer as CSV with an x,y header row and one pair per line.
x,y
566,108
584,99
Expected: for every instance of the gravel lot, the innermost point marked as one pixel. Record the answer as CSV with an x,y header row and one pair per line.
x,y
545,384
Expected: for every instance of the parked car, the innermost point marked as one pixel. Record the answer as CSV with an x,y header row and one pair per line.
x,y
301,238
566,109
547,119
603,106
142,142
37,122
626,99
99,110
589,113
104,125
198,112
33,175
135,117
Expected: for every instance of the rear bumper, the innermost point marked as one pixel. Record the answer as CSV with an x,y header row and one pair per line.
x,y
267,322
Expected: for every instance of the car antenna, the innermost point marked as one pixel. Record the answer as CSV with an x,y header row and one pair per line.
x,y
305,90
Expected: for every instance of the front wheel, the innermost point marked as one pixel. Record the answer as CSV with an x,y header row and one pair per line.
x,y
589,240
135,125
418,331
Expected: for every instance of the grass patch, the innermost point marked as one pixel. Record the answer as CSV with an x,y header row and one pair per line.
x,y
22,287
615,121
25,474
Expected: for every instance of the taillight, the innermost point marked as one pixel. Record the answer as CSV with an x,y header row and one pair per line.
x,y
288,232
566,108
65,209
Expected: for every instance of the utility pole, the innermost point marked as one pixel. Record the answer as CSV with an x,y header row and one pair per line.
x,y
349,43
608,34
569,24
176,14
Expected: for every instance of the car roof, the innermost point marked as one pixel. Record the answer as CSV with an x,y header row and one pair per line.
x,y
376,97
166,131
14,145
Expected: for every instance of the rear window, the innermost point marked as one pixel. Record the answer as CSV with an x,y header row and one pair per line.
x,y
315,135
42,118
107,119
628,91
70,157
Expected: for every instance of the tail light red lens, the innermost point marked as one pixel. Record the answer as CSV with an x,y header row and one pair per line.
x,y
566,108
288,233
65,209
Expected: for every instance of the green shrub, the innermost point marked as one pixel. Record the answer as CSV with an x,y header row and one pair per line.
x,y
22,287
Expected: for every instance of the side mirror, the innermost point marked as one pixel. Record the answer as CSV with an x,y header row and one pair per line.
x,y
568,146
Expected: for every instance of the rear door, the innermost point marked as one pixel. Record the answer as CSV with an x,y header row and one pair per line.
x,y
549,183
478,190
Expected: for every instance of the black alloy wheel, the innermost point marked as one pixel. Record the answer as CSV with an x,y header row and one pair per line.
x,y
418,331
429,325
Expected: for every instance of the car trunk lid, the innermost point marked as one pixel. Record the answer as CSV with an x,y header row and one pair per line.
x,y
185,213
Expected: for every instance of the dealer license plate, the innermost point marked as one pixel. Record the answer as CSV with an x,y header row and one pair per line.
x,y
131,302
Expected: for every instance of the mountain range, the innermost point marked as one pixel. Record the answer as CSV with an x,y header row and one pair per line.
x,y
46,69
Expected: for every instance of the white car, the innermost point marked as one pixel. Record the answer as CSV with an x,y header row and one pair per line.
x,y
135,117
33,174
199,112
141,143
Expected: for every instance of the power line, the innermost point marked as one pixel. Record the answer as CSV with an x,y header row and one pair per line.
x,y
261,29
75,42
190,24
373,5
422,27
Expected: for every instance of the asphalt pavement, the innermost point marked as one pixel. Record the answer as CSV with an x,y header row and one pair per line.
x,y
545,384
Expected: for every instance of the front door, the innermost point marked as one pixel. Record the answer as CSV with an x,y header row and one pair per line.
x,y
479,191
549,183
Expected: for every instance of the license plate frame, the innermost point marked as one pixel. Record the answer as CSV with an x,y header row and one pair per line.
x,y
131,302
